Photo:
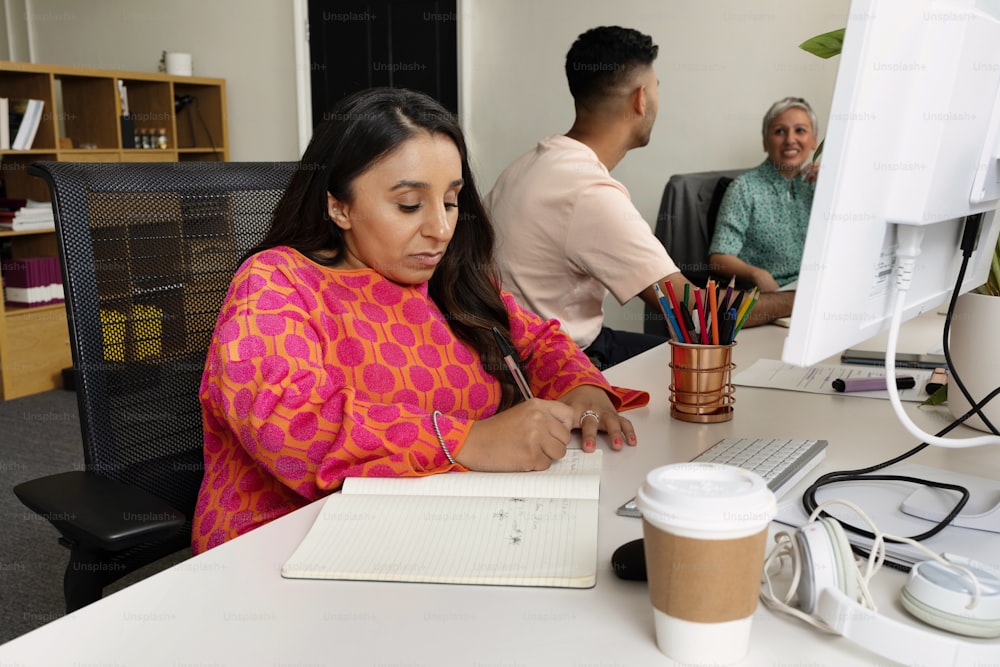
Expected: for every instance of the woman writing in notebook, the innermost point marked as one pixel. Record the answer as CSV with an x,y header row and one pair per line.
x,y
360,338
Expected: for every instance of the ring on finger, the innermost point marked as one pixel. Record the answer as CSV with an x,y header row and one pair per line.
x,y
590,413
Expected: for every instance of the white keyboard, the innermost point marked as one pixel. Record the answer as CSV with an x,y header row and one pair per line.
x,y
780,461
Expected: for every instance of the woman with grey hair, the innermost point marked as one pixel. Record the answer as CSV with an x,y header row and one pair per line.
x,y
762,221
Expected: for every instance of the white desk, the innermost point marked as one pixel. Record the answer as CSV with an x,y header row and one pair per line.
x,y
230,606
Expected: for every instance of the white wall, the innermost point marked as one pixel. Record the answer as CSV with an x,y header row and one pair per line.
x,y
249,43
721,64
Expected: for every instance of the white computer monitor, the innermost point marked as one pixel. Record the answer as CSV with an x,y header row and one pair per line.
x,y
913,138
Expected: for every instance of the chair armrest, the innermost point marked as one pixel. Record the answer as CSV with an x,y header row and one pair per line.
x,y
99,513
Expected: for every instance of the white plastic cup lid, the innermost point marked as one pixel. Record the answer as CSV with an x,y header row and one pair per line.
x,y
706,498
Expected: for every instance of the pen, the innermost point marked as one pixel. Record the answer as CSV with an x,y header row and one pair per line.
x,y
939,378
728,332
872,384
737,303
687,296
509,353
689,325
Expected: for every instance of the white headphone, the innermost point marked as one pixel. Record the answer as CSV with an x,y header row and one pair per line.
x,y
949,592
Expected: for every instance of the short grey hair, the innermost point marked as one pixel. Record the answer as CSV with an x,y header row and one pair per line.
x,y
783,105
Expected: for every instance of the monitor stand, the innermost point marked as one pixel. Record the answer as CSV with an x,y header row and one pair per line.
x,y
981,513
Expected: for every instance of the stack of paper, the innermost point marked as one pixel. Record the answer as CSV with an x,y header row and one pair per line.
x,y
22,214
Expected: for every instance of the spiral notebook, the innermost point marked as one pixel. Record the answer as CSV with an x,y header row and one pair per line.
x,y
509,529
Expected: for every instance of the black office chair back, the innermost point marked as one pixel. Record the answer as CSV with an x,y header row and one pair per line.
x,y
685,224
148,251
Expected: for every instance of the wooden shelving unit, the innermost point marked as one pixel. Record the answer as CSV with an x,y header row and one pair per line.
x,y
82,110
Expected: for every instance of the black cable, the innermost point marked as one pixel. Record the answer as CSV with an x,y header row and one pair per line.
x,y
809,501
969,235
208,132
197,109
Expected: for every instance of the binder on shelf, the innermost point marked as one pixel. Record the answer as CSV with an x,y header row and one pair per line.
x,y
25,115
4,124
32,281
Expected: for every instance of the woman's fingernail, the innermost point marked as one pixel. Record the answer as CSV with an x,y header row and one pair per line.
x,y
631,439
589,445
618,442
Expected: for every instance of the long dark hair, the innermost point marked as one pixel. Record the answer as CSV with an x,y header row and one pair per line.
x,y
357,132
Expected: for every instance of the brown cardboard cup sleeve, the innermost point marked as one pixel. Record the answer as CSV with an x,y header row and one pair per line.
x,y
705,581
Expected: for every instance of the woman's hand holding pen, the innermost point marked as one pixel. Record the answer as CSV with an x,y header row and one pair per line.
x,y
594,412
528,436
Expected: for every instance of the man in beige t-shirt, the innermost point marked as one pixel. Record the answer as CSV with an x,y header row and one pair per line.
x,y
567,231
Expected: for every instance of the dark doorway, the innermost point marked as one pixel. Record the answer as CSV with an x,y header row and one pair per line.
x,y
354,44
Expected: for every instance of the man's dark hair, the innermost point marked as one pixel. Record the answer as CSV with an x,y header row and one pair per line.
x,y
601,57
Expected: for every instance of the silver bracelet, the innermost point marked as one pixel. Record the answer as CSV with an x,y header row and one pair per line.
x,y
437,431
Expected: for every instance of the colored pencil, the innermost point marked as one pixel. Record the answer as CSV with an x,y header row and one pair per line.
x,y
701,316
713,305
677,311
728,301
746,304
672,326
746,313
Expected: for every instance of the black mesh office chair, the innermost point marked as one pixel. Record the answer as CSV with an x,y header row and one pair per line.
x,y
148,251
685,224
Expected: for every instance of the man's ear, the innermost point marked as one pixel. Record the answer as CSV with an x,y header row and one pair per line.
x,y
639,101
338,212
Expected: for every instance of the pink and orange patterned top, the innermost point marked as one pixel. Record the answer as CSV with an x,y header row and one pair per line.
x,y
317,374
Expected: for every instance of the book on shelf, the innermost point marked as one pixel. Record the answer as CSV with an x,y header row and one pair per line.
x,y
511,529
23,116
4,124
32,281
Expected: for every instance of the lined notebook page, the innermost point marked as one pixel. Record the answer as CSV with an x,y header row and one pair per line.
x,y
576,475
507,538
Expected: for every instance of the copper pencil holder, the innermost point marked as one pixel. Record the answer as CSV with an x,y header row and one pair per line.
x,y
700,387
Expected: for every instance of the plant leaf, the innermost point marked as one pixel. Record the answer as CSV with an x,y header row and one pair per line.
x,y
939,397
818,151
826,45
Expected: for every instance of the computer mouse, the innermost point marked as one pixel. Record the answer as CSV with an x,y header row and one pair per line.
x,y
629,561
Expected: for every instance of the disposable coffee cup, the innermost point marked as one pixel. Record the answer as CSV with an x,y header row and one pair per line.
x,y
704,533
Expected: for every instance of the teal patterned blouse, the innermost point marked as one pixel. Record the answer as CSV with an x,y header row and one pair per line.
x,y
763,219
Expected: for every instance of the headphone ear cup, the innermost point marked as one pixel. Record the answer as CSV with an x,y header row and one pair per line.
x,y
847,569
939,596
827,562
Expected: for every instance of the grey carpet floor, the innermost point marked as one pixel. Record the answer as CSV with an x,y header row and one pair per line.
x,y
39,435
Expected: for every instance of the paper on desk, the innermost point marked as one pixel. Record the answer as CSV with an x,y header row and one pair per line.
x,y
775,374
